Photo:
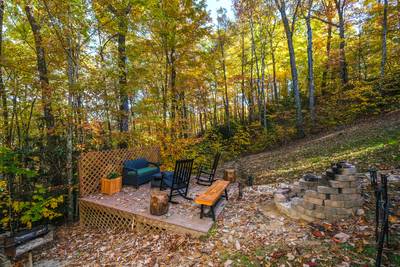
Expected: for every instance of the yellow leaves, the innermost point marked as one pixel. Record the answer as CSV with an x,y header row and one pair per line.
x,y
27,212
3,186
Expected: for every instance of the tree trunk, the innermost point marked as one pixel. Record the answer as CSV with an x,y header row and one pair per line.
x,y
274,71
158,203
165,93
328,56
72,79
42,69
293,67
263,95
340,5
121,16
251,89
173,92
226,98
124,101
242,82
310,65
52,161
384,35
253,46
3,94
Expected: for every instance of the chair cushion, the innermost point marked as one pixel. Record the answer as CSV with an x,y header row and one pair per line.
x,y
167,178
136,164
147,171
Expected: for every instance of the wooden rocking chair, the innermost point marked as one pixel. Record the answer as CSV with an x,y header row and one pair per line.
x,y
178,180
205,176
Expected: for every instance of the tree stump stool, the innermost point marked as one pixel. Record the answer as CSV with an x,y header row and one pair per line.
x,y
159,203
230,175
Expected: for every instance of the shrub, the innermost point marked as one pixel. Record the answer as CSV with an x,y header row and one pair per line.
x,y
113,175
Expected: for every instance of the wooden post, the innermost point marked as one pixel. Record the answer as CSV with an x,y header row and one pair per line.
x,y
159,203
30,260
230,175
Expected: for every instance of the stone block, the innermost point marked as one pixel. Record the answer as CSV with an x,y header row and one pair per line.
x,y
339,184
296,187
307,218
280,198
307,184
355,184
300,209
329,211
348,171
316,214
313,200
353,190
345,178
354,203
293,214
309,213
319,208
296,201
345,197
344,211
334,203
315,194
308,205
327,190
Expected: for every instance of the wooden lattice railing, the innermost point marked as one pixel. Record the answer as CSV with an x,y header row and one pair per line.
x,y
94,165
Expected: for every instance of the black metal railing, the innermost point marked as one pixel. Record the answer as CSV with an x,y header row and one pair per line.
x,y
382,212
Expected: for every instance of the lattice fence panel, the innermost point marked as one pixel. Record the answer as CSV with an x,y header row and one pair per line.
x,y
104,217
99,216
97,164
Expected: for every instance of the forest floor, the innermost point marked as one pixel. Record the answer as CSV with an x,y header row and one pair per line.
x,y
251,232
375,141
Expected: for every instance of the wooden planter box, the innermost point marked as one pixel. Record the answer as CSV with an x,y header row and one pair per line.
x,y
111,186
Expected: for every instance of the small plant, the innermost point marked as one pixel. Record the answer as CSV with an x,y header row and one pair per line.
x,y
113,175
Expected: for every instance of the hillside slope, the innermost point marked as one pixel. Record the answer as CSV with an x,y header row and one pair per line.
x,y
372,142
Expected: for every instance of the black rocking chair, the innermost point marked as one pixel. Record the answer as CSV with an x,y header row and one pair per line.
x,y
206,177
178,180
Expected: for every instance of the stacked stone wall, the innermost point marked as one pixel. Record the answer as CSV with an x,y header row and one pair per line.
x,y
334,195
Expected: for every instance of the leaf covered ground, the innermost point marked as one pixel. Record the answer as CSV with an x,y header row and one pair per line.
x,y
251,232
373,142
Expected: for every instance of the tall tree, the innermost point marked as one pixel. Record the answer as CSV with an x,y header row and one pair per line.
x,y
51,158
310,61
328,11
289,26
121,15
340,8
222,35
384,37
3,94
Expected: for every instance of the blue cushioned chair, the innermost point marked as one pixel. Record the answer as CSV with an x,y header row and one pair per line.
x,y
138,171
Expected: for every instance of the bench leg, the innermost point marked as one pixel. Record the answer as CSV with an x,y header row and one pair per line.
x,y
212,212
201,211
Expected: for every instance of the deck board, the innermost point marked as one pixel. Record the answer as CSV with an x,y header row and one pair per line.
x,y
184,217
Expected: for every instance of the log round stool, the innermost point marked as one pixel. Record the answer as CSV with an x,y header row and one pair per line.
x,y
230,175
158,203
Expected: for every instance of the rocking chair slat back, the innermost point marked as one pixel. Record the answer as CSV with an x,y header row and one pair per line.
x,y
182,172
215,163
207,177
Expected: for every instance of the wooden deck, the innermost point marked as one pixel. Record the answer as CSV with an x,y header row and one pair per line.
x,y
129,210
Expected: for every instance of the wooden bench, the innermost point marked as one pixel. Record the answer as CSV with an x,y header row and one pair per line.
x,y
212,196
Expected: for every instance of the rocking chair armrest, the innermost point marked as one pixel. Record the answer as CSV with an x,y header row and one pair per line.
x,y
205,171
